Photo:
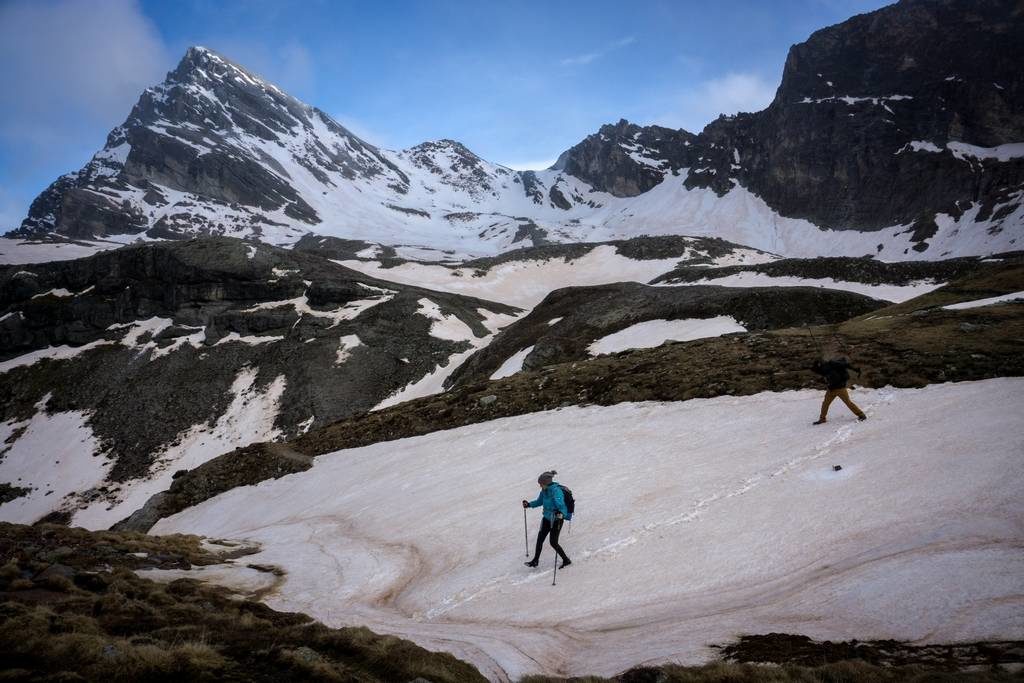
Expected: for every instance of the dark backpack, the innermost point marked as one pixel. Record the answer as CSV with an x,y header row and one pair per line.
x,y
570,502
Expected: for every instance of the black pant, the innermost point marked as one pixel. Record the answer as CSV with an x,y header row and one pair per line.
x,y
547,527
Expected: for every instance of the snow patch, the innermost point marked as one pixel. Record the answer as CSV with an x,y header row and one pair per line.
x,y
447,327
248,419
51,352
963,151
1016,297
525,283
251,339
433,382
345,346
656,332
894,293
1007,152
56,456
60,293
16,251
301,305
512,364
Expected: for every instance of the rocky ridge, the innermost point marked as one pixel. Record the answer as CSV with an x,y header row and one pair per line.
x,y
890,117
906,123
148,343
563,326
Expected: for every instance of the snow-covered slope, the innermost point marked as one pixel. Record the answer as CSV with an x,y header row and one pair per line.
x,y
696,521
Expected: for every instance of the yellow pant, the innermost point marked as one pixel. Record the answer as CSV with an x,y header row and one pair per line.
x,y
844,396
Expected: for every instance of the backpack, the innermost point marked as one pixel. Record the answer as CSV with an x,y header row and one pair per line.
x,y
570,502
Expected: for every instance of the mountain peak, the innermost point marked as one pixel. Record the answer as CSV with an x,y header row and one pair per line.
x,y
443,144
204,66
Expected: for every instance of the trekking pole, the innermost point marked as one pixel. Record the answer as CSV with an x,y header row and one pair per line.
x,y
813,339
526,534
555,572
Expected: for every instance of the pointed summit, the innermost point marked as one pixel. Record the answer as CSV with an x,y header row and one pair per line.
x,y
205,66
244,154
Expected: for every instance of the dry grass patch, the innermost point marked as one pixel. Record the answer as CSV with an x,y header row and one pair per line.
x,y
73,608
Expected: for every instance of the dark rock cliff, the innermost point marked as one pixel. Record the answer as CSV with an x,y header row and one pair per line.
x,y
873,125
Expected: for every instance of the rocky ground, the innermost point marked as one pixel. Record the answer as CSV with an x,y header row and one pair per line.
x,y
865,270
562,327
174,327
690,250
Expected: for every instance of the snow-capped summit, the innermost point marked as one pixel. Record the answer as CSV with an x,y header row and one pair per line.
x,y
897,133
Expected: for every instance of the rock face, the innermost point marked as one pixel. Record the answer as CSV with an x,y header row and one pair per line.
x,y
888,118
904,126
212,130
626,160
879,120
153,342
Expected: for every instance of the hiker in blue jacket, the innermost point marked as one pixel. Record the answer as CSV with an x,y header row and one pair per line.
x,y
555,513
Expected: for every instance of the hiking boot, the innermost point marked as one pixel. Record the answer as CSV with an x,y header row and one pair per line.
x,y
531,563
565,564
862,417
819,422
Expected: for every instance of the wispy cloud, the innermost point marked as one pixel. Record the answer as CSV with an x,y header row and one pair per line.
x,y
588,57
68,58
579,60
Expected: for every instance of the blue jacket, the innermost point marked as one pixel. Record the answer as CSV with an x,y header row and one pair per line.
x,y
552,500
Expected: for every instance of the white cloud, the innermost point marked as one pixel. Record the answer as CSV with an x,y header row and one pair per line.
x,y
65,60
72,70
728,94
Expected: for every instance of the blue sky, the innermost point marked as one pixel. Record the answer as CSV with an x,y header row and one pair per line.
x,y
516,82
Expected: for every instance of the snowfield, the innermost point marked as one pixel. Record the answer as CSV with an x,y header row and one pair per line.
x,y
23,251
1016,297
656,332
894,293
697,521
52,454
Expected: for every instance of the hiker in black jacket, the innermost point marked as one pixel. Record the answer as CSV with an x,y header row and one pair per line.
x,y
836,374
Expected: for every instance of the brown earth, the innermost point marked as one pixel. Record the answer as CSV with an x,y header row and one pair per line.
x,y
784,648
72,608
